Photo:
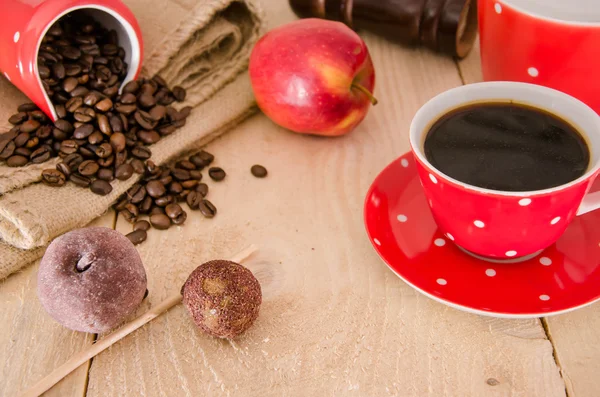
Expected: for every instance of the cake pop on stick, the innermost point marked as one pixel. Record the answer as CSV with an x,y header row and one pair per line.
x,y
59,373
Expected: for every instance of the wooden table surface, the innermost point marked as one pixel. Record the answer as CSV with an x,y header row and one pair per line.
x,y
334,320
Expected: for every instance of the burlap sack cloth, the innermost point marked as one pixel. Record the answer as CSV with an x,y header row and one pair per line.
x,y
203,46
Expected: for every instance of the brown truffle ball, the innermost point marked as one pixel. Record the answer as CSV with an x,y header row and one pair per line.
x,y
91,279
222,297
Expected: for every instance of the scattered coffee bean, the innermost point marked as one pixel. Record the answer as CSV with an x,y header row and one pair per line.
x,y
155,189
106,174
202,188
137,237
194,199
258,171
88,168
216,173
141,225
130,213
160,221
100,187
80,180
208,209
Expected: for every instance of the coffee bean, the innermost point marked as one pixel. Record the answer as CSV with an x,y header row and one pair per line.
x,y
107,161
53,178
21,139
157,210
80,91
194,199
195,174
164,200
149,87
80,180
106,174
138,166
64,126
137,237
258,171
104,150
69,84
175,188
179,93
152,169
103,124
27,107
141,152
180,174
166,179
146,101
146,205
158,112
202,188
40,155
155,189
72,69
131,87
16,161
202,159
7,148
125,109
100,187
144,120
30,126
88,168
92,98
186,165
44,72
71,53
62,167
32,142
17,118
216,174
115,123
61,112
104,105
23,151
141,225
166,129
69,147
207,209
160,221
173,210
130,213
124,172
83,131
148,137
189,184
84,114
136,193
95,138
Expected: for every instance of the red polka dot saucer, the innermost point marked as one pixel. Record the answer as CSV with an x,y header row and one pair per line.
x,y
398,220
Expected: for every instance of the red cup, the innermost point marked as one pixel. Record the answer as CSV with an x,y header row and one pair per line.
x,y
25,23
505,225
554,43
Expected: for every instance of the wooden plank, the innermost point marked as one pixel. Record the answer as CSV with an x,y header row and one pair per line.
x,y
31,342
576,335
335,320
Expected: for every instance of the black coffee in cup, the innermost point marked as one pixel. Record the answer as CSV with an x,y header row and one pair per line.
x,y
506,146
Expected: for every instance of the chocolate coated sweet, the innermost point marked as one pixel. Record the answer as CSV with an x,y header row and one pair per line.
x,y
91,279
222,297
447,26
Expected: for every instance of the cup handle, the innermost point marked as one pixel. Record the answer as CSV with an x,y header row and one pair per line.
x,y
591,201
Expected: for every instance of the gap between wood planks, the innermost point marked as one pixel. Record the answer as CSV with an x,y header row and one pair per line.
x,y
543,320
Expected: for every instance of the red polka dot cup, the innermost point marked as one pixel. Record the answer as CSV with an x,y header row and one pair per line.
x,y
25,23
506,225
554,43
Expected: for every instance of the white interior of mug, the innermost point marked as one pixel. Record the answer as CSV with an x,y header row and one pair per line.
x,y
110,20
575,11
577,113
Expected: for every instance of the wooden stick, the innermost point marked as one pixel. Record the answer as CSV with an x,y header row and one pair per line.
x,y
80,358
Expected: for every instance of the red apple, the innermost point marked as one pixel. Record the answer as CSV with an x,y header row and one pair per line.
x,y
313,76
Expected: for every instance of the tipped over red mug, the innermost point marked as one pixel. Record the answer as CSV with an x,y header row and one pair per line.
x,y
554,43
506,225
25,23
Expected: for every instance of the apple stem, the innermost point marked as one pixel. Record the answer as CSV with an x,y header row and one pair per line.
x,y
368,93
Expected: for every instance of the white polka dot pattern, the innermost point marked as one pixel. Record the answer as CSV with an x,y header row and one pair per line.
x,y
533,72
377,242
490,272
16,37
524,202
498,8
402,218
441,281
544,297
545,261
440,242
433,178
511,253
479,224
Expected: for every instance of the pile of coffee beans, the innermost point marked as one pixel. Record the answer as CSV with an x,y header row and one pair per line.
x,y
160,191
100,135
